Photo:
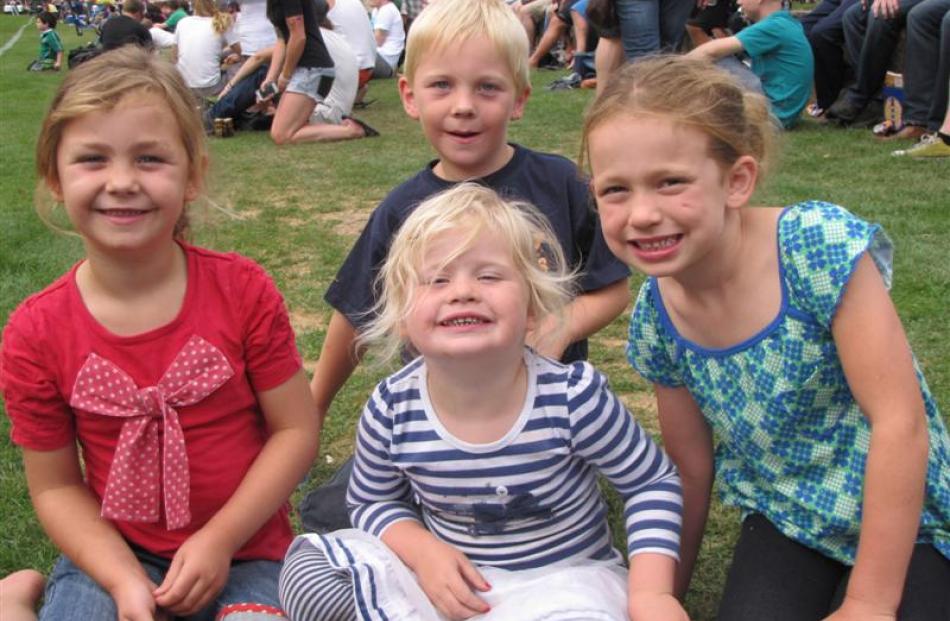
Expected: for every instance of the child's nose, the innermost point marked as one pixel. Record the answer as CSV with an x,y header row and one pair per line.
x,y
122,178
644,211
462,289
463,104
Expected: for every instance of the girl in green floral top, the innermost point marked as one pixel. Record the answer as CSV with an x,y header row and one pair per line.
x,y
771,330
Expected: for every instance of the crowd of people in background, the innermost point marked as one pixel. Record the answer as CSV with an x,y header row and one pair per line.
x,y
829,61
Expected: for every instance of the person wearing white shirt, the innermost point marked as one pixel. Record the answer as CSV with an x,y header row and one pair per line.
x,y
390,37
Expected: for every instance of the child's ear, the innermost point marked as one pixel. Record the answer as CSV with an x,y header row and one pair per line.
x,y
194,183
408,98
520,102
740,181
55,188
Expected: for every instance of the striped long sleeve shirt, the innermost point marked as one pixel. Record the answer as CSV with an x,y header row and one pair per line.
x,y
529,499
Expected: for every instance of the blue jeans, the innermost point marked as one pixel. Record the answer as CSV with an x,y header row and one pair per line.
x,y
824,27
871,42
927,64
71,594
746,77
240,97
651,26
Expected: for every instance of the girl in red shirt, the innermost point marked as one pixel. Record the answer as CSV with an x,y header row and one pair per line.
x,y
171,370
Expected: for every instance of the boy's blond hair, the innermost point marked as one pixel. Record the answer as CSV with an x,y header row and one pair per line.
x,y
447,23
473,209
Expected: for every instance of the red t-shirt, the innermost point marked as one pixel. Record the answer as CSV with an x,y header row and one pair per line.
x,y
231,303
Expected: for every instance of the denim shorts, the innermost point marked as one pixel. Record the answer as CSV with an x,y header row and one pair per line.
x,y
71,594
314,82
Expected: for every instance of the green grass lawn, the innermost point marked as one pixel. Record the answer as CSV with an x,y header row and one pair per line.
x,y
298,210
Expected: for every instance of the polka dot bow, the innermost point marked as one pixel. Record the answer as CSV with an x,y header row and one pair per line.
x,y
132,489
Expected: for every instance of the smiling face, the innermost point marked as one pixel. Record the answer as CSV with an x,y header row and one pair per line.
x,y
477,304
124,176
464,96
664,213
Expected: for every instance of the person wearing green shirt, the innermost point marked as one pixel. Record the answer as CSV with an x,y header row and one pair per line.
x,y
51,46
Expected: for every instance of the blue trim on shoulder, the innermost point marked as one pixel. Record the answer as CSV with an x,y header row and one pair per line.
x,y
765,332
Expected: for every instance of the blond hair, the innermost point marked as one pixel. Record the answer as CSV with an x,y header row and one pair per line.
x,y
472,209
220,22
693,92
448,23
98,85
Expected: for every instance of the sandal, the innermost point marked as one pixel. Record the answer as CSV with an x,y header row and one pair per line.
x,y
885,128
814,110
368,132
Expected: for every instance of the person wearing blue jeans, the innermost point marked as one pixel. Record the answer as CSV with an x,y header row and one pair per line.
x,y
238,98
650,26
824,28
79,597
927,65
870,34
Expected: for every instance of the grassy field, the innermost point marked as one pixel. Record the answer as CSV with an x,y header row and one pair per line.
x,y
298,210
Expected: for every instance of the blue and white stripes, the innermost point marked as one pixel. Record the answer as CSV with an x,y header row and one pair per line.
x,y
529,499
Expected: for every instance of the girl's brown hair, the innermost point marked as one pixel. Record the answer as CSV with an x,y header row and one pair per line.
x,y
98,85
693,92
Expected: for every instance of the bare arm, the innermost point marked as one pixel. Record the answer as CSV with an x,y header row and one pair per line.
x,y
294,49
380,36
650,589
338,358
877,362
70,515
688,441
249,67
445,574
717,48
584,316
200,567
276,61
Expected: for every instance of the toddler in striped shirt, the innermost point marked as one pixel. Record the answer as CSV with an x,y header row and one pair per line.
x,y
475,490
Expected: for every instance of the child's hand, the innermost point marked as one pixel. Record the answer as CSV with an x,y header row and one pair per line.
x,y
133,599
649,606
197,574
448,577
856,610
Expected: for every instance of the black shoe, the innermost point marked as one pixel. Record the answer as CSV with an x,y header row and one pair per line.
x,y
844,112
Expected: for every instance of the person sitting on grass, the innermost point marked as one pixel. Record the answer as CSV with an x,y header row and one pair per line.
x,y
51,46
477,463
155,389
173,12
926,69
126,27
782,60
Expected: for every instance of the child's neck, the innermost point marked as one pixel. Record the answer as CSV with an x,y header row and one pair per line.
x,y
767,9
475,401
735,291
447,171
133,293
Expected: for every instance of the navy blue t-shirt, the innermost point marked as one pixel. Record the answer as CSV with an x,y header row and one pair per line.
x,y
549,182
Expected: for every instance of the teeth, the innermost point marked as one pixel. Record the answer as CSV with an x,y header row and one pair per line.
x,y
657,245
463,321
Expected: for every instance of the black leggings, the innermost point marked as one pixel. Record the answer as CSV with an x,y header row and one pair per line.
x,y
775,578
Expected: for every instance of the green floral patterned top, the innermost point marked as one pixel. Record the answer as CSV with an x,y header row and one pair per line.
x,y
791,440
